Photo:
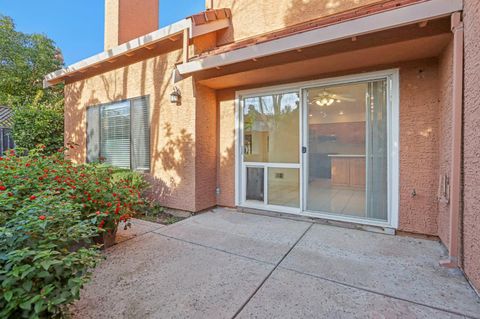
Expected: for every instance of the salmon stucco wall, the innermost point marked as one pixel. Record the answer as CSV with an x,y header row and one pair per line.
x,y
445,136
172,133
419,136
471,155
419,146
226,147
206,148
126,20
252,17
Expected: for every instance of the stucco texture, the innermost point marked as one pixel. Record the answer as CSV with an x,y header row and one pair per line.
x,y
173,130
269,15
471,155
122,22
445,137
419,145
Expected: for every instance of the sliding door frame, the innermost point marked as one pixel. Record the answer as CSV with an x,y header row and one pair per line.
x,y
393,107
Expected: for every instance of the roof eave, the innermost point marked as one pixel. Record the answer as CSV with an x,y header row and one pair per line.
x,y
397,17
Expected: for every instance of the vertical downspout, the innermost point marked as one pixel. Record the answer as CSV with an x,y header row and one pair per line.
x,y
457,113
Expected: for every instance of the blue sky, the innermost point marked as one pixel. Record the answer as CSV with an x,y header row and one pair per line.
x,y
76,26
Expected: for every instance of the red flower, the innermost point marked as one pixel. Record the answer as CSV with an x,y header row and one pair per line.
x,y
42,217
117,210
27,165
98,213
109,204
2,188
33,197
10,194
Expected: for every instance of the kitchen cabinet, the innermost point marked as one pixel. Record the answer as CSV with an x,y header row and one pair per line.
x,y
348,170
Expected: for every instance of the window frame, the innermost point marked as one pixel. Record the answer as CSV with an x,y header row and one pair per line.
x,y
129,100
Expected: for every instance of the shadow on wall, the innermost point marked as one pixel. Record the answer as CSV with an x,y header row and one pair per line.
x,y
174,156
150,77
226,176
177,152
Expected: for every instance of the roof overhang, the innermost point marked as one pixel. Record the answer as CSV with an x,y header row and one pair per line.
x,y
171,32
410,14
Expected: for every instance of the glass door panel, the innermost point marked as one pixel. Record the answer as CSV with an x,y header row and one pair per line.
x,y
283,186
271,149
347,159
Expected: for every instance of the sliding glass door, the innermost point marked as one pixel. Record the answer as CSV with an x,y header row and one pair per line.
x,y
347,149
326,149
270,154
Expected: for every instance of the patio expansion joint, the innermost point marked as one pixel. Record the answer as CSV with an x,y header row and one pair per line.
x,y
377,292
139,235
271,272
214,248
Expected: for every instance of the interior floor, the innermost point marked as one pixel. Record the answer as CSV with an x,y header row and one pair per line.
x,y
324,197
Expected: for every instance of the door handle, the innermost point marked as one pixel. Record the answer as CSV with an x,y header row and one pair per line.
x,y
304,149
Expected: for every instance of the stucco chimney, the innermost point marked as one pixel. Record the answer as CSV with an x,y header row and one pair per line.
x,y
128,19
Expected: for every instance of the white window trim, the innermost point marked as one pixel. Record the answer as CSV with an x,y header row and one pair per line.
x,y
393,114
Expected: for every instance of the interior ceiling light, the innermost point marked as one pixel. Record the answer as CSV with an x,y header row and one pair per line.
x,y
326,99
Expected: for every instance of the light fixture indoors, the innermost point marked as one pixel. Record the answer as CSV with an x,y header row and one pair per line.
x,y
326,99
175,96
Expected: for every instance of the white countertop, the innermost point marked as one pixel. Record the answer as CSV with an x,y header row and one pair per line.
x,y
346,155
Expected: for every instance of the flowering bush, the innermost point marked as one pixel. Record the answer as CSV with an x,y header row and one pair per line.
x,y
50,210
105,194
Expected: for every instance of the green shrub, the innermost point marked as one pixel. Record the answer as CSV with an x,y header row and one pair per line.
x,y
50,210
45,258
38,124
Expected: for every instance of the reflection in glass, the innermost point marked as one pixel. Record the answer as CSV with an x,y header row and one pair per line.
x,y
283,187
347,141
271,128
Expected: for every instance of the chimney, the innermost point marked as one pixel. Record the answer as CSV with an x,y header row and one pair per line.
x,y
129,19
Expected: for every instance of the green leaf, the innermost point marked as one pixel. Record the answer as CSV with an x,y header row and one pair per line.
x,y
40,306
8,295
27,285
27,305
58,300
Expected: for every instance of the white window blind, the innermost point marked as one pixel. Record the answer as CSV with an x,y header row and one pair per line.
x,y
115,134
120,134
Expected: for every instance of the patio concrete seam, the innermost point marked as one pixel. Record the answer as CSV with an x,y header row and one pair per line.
x,y
271,272
377,292
214,248
138,236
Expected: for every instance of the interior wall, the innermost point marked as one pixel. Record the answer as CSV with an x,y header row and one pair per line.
x,y
471,151
253,17
419,144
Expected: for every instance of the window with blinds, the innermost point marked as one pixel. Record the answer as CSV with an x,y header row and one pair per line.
x,y
120,134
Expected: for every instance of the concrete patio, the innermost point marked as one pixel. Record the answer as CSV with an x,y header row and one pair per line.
x,y
225,264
